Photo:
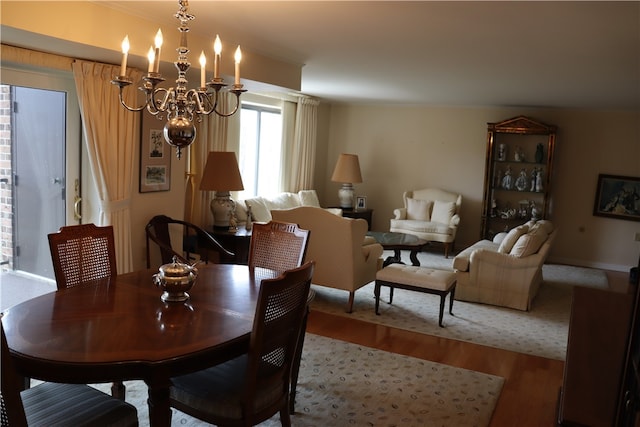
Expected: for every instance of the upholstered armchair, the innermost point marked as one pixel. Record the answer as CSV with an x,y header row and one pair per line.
x,y
430,214
344,258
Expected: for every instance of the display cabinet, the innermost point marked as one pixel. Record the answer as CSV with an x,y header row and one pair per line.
x,y
518,170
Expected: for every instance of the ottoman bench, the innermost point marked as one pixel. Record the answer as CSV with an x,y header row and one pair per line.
x,y
419,279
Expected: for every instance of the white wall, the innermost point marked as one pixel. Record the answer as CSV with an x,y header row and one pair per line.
x,y
409,147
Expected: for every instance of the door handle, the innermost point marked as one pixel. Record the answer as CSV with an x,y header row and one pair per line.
x,y
77,202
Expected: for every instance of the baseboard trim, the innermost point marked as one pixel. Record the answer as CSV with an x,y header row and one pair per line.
x,y
589,264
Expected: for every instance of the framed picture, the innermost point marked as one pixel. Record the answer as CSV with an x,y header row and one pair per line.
x,y
618,197
361,202
155,157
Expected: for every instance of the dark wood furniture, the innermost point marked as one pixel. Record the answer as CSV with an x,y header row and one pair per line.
x,y
236,241
366,214
594,391
399,242
194,241
250,389
49,404
520,144
120,329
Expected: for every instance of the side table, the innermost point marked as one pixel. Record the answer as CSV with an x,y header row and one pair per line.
x,y
237,241
366,214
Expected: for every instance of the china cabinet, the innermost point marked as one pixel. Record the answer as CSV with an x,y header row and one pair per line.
x,y
518,169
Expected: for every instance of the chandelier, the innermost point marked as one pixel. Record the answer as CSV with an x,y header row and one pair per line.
x,y
180,106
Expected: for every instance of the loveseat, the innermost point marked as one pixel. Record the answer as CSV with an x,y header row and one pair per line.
x,y
430,214
261,207
344,258
505,271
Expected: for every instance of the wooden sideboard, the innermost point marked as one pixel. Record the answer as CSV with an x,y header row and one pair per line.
x,y
595,390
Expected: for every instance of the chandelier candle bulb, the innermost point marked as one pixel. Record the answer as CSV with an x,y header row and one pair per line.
x,y
217,49
158,40
125,53
203,71
151,57
238,58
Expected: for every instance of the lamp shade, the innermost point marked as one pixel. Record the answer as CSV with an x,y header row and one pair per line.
x,y
347,169
221,172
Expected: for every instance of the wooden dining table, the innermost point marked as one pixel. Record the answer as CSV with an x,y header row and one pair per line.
x,y
119,329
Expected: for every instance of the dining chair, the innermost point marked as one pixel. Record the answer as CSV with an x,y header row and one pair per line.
x,y
254,386
195,240
277,245
55,404
82,254
282,246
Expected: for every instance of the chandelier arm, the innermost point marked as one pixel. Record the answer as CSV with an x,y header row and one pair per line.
x,y
237,93
156,105
140,108
203,102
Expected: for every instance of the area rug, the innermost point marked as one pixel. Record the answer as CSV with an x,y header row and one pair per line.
x,y
541,332
347,384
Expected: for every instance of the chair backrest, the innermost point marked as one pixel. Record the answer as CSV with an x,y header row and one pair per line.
x,y
12,411
281,305
82,254
277,245
195,240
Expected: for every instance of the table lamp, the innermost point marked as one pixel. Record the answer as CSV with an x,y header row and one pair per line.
x,y
347,172
221,174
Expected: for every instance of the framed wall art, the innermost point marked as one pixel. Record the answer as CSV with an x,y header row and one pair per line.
x,y
618,197
155,157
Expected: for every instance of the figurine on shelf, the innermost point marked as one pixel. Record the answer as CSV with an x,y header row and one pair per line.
x,y
522,212
535,214
498,180
534,173
521,181
494,205
518,155
502,152
507,180
539,181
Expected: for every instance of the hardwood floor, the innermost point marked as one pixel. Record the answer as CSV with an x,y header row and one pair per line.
x,y
529,395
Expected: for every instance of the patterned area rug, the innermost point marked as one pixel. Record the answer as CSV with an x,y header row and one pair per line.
x,y
346,384
540,332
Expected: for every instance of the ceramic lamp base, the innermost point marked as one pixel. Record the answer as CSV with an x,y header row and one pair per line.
x,y
223,208
345,194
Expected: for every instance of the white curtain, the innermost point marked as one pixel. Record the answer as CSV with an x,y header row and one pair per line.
x,y
212,135
111,134
304,149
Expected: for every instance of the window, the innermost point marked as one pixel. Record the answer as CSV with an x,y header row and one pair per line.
x,y
260,149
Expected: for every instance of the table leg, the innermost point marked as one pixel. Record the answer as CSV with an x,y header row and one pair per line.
x,y
159,408
413,255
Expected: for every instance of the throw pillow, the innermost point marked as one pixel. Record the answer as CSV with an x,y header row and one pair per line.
x,y
418,209
528,244
309,198
443,211
511,238
544,225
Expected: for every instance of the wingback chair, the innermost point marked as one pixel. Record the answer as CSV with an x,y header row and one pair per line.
x,y
431,214
344,258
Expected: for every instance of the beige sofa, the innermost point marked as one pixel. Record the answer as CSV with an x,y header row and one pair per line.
x,y
430,214
261,207
344,258
507,271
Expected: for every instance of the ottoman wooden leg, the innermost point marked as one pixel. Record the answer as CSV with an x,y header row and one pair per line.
x,y
376,292
451,295
443,296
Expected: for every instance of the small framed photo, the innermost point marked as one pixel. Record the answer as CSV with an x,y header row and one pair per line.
x,y
618,197
361,202
155,157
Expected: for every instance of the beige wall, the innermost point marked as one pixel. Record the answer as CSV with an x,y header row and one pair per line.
x,y
409,147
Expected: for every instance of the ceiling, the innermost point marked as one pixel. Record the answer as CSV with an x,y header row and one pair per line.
x,y
457,53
